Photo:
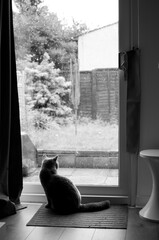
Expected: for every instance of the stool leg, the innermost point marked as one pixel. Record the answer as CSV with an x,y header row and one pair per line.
x,y
151,209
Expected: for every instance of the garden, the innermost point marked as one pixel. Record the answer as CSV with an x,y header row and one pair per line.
x,y
50,117
46,57
95,135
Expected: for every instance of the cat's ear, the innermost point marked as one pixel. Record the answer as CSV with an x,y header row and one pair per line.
x,y
56,157
44,156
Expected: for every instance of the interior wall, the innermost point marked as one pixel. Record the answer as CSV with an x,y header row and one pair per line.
x,y
149,132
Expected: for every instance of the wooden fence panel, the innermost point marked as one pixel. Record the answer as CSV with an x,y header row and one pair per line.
x,y
100,94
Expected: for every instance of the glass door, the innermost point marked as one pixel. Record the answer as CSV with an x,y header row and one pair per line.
x,y
72,94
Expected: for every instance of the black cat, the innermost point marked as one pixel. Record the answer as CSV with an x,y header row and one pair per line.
x,y
62,195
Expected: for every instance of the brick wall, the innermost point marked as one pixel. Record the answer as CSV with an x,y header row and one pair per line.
x,y
83,159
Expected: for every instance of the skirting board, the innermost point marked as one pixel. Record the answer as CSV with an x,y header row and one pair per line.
x,y
141,200
41,198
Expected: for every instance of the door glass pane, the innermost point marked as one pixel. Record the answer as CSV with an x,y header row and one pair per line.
x,y
68,84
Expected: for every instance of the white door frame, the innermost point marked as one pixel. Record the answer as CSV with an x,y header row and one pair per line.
x,y
120,194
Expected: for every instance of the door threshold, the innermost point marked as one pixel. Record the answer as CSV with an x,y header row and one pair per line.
x,y
41,198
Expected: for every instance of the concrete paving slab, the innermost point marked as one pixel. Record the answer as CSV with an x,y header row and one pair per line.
x,y
81,176
112,181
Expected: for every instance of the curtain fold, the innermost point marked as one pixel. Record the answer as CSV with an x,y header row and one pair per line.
x,y
11,182
133,101
129,62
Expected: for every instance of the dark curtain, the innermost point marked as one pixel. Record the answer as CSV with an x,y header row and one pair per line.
x,y
130,64
11,157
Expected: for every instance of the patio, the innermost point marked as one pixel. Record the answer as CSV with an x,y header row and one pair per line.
x,y
81,176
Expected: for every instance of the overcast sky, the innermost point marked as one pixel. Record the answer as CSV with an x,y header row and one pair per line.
x,y
95,13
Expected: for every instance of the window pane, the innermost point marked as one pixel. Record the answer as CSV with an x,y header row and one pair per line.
x,y
68,83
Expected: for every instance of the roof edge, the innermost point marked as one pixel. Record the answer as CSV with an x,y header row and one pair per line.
x,y
96,29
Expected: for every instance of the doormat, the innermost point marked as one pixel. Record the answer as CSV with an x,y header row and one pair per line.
x,y
114,217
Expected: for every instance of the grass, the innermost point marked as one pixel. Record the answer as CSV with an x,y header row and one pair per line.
x,y
91,135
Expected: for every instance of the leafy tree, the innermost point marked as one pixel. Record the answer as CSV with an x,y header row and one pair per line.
x,y
38,31
27,6
46,91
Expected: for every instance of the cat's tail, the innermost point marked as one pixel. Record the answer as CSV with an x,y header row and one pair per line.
x,y
95,206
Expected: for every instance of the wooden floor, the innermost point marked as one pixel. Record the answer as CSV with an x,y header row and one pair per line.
x,y
139,229
16,229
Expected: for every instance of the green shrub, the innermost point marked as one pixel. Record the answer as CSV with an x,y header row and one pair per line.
x,y
38,120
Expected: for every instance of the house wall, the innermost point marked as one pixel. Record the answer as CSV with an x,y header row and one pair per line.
x,y
149,132
99,48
